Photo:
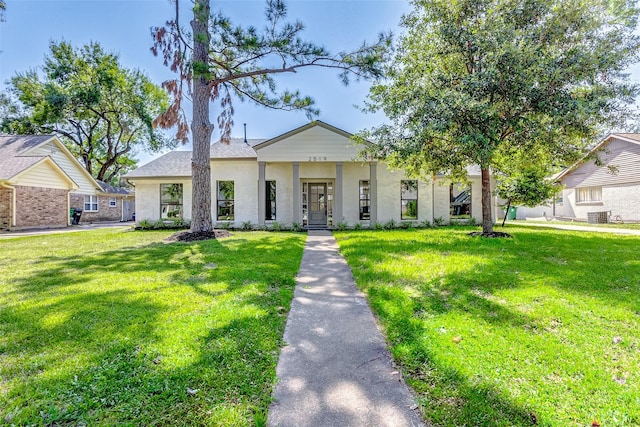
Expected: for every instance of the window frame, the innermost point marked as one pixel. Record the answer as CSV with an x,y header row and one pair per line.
x,y
593,194
464,188
113,203
230,203
405,201
270,200
177,203
91,203
364,199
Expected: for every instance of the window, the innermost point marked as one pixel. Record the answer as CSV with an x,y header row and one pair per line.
x,y
365,200
270,208
409,199
225,200
460,201
589,194
91,203
170,201
112,202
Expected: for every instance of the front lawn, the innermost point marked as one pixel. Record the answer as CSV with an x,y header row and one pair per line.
x,y
113,327
541,329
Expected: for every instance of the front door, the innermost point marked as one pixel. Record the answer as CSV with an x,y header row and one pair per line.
x,y
317,204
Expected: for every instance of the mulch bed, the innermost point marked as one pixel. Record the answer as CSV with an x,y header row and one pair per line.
x,y
192,236
493,235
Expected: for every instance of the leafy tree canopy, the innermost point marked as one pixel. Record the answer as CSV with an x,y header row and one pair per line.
x,y
485,81
102,111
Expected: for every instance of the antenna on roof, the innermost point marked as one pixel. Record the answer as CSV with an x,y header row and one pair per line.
x,y
245,134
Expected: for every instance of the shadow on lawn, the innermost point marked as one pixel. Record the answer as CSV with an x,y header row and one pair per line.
x,y
599,267
98,355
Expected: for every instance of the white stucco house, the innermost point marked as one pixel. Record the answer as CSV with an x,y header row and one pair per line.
x,y
311,176
613,187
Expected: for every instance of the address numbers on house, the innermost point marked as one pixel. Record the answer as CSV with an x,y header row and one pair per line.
x,y
317,158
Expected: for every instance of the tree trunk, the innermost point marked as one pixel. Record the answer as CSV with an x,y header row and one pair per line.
x,y
487,217
506,212
201,127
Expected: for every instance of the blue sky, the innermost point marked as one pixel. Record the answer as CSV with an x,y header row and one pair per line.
x,y
123,26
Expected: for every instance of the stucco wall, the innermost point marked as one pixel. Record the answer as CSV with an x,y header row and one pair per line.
x,y
244,174
352,174
282,174
41,207
148,197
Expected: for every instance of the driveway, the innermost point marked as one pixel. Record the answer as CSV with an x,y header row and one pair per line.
x,y
69,229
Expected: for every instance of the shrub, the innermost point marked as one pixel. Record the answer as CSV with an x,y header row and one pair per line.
x,y
405,225
297,227
342,225
438,222
159,225
246,225
225,225
145,224
378,226
426,223
357,226
390,225
277,226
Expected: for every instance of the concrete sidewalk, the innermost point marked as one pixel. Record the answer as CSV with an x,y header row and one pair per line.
x,y
335,369
69,229
551,224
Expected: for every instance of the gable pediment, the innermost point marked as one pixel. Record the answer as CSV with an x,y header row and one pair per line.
x,y
315,142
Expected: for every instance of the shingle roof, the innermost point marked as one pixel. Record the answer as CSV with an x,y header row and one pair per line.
x,y
12,162
110,189
235,149
174,163
178,163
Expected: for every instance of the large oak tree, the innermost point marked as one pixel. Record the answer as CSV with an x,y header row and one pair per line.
x,y
482,81
217,60
102,111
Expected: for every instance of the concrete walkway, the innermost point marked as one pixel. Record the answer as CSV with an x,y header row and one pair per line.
x,y
69,229
335,369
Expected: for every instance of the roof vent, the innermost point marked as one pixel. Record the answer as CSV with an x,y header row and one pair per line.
x,y
245,134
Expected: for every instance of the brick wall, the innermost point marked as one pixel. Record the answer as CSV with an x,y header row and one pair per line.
x,y
5,208
105,212
41,207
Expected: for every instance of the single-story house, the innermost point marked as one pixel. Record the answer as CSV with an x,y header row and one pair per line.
x,y
110,204
41,181
613,187
311,176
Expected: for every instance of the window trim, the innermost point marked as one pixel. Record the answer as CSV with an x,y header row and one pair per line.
x,y
403,199
220,217
366,198
91,204
470,193
590,192
179,202
270,205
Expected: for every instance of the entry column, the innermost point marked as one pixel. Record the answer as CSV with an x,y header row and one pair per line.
x,y
337,202
261,192
296,193
373,193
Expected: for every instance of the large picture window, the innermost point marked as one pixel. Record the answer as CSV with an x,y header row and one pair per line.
x,y
365,200
589,194
91,203
270,208
226,194
170,201
409,199
460,201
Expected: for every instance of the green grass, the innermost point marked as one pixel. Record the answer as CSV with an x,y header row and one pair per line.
x,y
541,329
113,327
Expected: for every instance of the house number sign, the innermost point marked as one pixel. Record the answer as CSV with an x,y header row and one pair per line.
x,y
317,158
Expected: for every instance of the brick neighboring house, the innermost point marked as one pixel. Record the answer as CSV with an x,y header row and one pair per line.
x,y
40,181
111,204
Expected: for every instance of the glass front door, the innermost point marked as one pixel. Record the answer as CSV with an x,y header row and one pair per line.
x,y
317,204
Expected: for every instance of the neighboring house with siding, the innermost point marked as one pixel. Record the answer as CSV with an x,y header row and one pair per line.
x,y
310,176
40,181
613,187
